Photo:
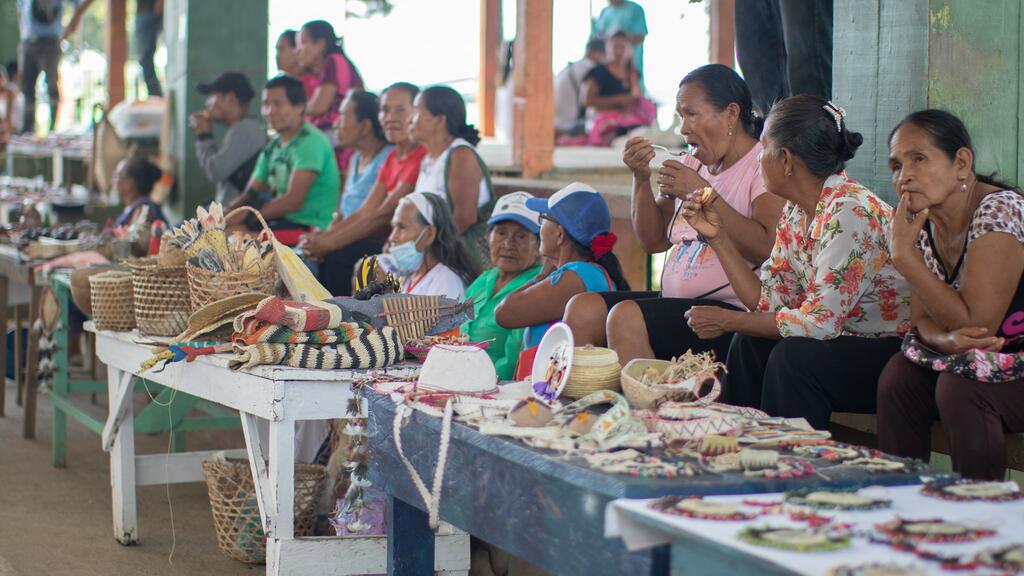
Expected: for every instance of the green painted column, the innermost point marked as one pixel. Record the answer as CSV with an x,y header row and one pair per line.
x,y
892,57
9,32
205,38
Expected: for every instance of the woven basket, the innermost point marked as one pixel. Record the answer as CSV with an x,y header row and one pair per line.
x,y
162,300
205,286
647,397
593,369
236,514
112,300
81,293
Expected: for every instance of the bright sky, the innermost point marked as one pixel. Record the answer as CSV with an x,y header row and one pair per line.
x,y
437,41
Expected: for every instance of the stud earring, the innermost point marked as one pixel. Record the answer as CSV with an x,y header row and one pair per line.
x,y
963,187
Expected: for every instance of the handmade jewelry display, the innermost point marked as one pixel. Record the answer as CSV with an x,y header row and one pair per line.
x,y
835,499
820,539
877,464
876,569
826,451
933,531
697,507
1009,558
636,463
968,491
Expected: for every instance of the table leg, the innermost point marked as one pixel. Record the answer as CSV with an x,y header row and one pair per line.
x,y
281,490
3,357
410,540
31,377
122,457
19,353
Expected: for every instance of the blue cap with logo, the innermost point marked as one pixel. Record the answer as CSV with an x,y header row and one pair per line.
x,y
579,209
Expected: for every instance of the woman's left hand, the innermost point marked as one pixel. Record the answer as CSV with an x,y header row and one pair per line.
x,y
709,322
906,230
314,246
678,181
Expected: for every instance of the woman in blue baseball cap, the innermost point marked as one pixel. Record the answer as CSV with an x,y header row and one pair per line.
x,y
576,245
513,238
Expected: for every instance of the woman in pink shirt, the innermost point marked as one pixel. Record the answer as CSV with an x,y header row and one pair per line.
x,y
722,131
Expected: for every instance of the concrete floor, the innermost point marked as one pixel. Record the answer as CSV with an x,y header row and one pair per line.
x,y
58,521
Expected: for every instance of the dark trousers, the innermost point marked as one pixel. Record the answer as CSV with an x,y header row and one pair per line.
x,y
39,56
337,268
784,48
806,378
147,29
975,416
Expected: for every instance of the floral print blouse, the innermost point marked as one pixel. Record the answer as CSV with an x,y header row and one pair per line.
x,y
830,274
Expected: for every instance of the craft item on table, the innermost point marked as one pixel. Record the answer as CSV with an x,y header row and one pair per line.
x,y
810,539
582,423
178,351
448,315
431,497
769,433
932,530
280,335
371,279
844,499
758,463
371,349
689,421
552,364
297,316
531,413
1009,558
741,411
301,284
170,255
876,569
876,464
972,491
698,507
415,316
690,377
458,370
420,347
756,460
638,464
218,314
593,368
47,326
828,450
714,444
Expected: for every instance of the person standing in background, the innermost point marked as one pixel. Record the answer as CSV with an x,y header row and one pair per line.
x,y
286,56
149,22
39,52
627,17
569,109
784,48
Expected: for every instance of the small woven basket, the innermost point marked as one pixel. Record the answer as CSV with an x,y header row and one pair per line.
x,y
647,397
161,297
111,297
236,514
593,369
205,286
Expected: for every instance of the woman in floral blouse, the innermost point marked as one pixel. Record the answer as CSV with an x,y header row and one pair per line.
x,y
958,238
829,306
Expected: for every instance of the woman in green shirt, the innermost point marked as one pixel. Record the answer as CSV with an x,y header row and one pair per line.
x,y
513,238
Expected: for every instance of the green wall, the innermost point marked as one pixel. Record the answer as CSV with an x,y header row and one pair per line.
x,y
8,31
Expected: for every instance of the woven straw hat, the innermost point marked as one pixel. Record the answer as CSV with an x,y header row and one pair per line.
x,y
217,314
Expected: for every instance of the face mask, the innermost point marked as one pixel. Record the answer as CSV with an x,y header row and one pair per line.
x,y
407,257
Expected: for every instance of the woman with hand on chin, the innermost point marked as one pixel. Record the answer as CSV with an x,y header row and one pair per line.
x,y
958,238
829,306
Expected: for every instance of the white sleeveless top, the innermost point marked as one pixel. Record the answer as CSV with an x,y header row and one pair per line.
x,y
431,178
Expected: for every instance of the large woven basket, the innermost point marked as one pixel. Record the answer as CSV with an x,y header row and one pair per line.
x,y
205,286
593,369
111,297
161,298
236,514
647,397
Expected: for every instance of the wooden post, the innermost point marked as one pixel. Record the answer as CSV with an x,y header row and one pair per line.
x,y
490,43
117,50
534,123
723,32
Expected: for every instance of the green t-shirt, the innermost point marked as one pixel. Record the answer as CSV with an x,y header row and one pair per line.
x,y
506,344
308,150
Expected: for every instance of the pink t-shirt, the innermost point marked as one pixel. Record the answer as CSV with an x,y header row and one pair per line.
x,y
692,268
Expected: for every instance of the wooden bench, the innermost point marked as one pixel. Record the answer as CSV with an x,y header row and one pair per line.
x,y
868,424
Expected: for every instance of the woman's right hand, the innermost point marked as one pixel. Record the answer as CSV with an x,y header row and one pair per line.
x,y
703,216
638,155
965,339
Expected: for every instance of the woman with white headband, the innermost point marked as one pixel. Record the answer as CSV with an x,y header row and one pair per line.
x,y
829,306
425,250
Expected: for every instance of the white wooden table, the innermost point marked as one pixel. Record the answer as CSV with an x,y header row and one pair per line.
x,y
281,396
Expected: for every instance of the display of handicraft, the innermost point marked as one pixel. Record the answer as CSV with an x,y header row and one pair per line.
x,y
635,463
809,539
1009,558
827,450
932,530
553,362
835,499
763,463
876,569
697,507
973,491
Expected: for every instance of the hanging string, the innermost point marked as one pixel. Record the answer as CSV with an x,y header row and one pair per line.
x,y
167,460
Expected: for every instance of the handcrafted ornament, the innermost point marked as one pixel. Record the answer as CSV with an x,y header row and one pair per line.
x,y
714,445
1009,558
690,378
47,326
876,569
821,539
458,370
553,362
835,499
697,507
755,460
972,491
826,451
420,347
635,463
531,413
877,464
682,421
933,530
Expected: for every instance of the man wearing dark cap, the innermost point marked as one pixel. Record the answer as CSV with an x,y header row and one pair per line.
x,y
230,164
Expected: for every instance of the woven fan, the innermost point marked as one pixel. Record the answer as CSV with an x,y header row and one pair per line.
x,y
413,316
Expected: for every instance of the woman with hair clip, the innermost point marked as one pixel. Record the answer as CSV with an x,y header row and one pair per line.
x,y
425,251
958,239
718,123
576,247
829,307
452,166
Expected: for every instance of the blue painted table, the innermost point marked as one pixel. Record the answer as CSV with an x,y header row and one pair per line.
x,y
533,503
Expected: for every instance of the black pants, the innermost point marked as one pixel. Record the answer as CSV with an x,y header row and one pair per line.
x,y
39,56
667,331
337,268
147,29
807,378
784,48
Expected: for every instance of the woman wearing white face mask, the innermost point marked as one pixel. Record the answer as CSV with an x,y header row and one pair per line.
x,y
425,251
